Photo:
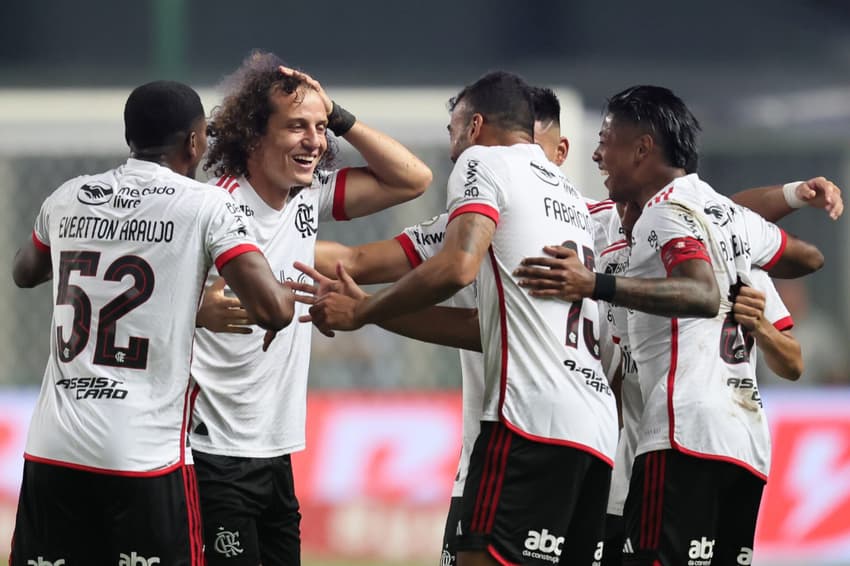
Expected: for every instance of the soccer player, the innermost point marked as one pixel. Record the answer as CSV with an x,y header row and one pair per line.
x,y
108,476
698,442
387,260
268,139
539,470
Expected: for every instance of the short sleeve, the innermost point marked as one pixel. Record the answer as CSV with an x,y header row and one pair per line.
x,y
775,310
226,235
474,186
767,240
331,187
41,229
673,231
422,241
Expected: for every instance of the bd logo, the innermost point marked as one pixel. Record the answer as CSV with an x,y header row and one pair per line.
x,y
42,562
134,559
544,542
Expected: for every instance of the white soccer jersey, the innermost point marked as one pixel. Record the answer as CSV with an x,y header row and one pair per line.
x,y
251,403
130,249
604,215
543,377
614,260
421,242
688,404
742,376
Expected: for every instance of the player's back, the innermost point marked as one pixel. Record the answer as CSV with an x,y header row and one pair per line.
x,y
130,250
543,374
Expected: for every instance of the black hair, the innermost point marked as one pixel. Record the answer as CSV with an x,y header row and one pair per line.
x,y
547,108
663,115
503,99
158,113
236,126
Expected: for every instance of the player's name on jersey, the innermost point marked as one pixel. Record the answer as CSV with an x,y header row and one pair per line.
x,y
132,230
567,213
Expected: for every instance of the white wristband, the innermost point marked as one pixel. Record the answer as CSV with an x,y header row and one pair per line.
x,y
789,191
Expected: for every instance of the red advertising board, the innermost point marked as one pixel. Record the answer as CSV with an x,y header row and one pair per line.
x,y
376,478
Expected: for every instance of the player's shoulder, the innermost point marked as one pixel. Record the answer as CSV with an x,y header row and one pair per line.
x,y
228,183
90,189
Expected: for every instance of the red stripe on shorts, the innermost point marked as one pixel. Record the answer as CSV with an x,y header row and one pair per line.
x,y
488,478
497,491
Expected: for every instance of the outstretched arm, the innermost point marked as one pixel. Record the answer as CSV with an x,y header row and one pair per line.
x,y
775,202
445,326
376,262
455,266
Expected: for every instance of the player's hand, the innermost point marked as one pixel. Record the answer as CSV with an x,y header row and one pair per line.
x,y
313,83
748,309
561,275
308,293
339,310
221,313
820,192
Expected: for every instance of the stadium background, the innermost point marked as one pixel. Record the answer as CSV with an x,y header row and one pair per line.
x,y
770,83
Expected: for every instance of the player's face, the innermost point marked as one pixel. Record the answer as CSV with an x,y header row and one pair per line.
x,y
294,142
548,136
460,130
616,157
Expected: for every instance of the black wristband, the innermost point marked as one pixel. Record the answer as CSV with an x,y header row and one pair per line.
x,y
340,120
605,287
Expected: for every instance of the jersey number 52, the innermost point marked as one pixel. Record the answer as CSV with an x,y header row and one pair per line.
x,y
106,353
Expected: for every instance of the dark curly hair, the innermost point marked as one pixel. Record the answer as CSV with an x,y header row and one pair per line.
x,y
236,126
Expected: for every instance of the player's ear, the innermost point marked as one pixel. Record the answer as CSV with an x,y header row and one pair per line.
x,y
644,145
193,146
562,151
475,125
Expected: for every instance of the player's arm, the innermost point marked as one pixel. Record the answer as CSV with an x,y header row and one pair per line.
x,y
779,348
455,266
32,265
376,262
777,201
798,258
392,174
690,289
265,300
444,326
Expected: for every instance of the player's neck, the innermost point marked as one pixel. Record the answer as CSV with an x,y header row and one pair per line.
x,y
270,193
496,136
656,181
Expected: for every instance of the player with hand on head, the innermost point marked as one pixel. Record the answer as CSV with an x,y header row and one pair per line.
x,y
269,149
108,474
